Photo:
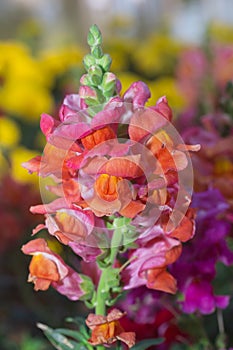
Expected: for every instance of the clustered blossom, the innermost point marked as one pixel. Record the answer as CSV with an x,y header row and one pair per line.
x,y
97,176
111,158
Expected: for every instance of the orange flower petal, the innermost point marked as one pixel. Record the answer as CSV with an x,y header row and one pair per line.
x,y
97,137
42,268
106,187
129,338
186,228
123,167
132,209
160,279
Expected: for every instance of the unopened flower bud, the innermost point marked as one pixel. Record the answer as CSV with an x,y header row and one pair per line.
x,y
105,62
109,84
94,37
89,61
91,96
87,92
97,52
85,80
95,75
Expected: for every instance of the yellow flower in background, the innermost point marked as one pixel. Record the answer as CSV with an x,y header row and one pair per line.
x,y
57,62
17,156
157,55
9,133
127,78
220,32
168,87
120,51
25,100
18,63
24,90
4,165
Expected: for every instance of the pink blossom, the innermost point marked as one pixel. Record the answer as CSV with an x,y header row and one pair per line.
x,y
47,268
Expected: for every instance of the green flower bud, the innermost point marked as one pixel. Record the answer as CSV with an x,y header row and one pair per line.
x,y
97,52
89,61
109,84
95,75
105,62
94,37
85,80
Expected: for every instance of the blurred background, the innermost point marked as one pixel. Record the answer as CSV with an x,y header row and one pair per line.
x,y
167,43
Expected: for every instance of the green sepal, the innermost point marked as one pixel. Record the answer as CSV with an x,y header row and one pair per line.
x,y
90,101
86,80
87,287
109,82
105,62
112,277
89,61
97,52
95,75
103,260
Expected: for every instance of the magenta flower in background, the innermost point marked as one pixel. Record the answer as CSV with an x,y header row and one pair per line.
x,y
196,268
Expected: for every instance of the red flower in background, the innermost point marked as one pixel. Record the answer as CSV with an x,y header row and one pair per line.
x,y
16,221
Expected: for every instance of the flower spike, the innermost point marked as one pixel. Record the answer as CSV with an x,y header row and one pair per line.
x,y
98,85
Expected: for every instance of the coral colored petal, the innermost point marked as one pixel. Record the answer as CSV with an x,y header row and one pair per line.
x,y
33,165
97,137
47,124
132,209
42,267
115,315
50,208
129,338
41,284
186,228
173,254
145,123
38,228
160,279
123,167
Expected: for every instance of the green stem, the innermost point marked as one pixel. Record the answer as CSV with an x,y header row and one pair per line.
x,y
101,295
115,244
100,308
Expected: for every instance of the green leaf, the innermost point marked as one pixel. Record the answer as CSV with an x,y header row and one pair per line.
x,y
80,322
144,344
72,334
59,341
